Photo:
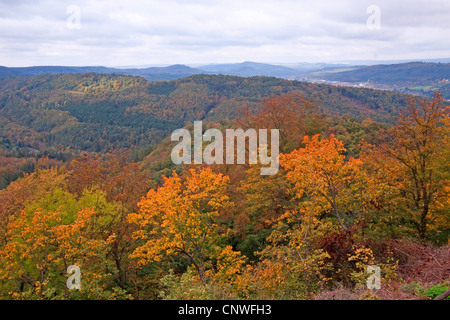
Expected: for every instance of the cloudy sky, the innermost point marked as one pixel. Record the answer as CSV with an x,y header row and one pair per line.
x,y
193,32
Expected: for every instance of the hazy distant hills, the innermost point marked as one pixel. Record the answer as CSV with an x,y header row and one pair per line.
x,y
173,72
395,73
412,77
250,69
178,71
153,73
421,78
38,70
411,72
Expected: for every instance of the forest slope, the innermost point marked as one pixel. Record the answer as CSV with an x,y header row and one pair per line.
x,y
98,112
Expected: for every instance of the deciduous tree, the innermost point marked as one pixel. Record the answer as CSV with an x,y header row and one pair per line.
x,y
181,218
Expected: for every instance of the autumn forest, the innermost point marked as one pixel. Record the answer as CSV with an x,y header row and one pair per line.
x,y
86,179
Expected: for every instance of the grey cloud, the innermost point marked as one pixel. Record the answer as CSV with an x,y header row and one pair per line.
x,y
125,32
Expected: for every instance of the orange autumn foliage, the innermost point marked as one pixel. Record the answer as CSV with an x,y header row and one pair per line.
x,y
181,218
322,176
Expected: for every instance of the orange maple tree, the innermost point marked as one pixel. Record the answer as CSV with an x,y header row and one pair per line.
x,y
322,176
182,218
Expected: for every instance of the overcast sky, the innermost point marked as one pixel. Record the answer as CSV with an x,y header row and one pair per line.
x,y
138,32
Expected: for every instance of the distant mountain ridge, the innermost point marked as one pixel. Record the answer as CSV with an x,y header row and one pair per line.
x,y
249,69
421,78
177,71
173,72
394,73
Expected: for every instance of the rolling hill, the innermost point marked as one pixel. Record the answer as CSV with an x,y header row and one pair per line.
x,y
413,77
97,112
250,69
178,71
417,78
153,73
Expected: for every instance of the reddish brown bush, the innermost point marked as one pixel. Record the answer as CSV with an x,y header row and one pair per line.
x,y
422,263
391,292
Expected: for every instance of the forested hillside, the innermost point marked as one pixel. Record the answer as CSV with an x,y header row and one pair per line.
x,y
63,115
260,154
94,112
351,193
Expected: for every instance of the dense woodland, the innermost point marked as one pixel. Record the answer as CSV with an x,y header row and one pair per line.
x,y
63,115
88,181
